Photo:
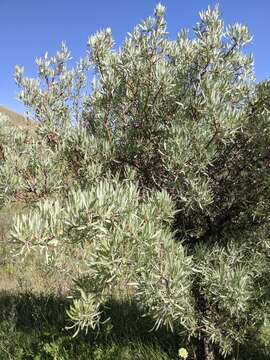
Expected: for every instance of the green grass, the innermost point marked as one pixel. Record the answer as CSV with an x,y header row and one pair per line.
x,y
33,327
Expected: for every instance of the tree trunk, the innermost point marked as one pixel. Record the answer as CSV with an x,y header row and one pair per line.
x,y
209,353
205,348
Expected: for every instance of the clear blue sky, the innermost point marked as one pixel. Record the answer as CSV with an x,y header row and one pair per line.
x,y
28,28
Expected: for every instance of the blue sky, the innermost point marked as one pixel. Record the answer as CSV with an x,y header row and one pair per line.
x,y
29,28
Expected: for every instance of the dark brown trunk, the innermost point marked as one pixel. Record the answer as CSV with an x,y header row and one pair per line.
x,y
209,353
205,347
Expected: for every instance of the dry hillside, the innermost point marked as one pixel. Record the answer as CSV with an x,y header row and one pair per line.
x,y
17,119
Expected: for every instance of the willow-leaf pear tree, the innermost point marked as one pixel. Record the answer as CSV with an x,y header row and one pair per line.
x,y
157,178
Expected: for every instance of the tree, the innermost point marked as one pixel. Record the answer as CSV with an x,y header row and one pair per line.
x,y
158,179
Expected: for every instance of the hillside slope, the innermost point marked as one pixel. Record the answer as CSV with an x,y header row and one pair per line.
x,y
18,120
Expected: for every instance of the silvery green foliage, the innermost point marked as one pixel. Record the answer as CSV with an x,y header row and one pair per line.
x,y
127,243
56,98
9,181
167,162
88,157
171,105
29,168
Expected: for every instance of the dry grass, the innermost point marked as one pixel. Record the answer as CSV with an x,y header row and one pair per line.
x,y
28,274
18,120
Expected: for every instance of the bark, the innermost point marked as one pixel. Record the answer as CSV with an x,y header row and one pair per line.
x,y
209,353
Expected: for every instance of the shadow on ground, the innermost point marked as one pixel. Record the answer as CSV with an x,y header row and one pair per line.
x,y
34,327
